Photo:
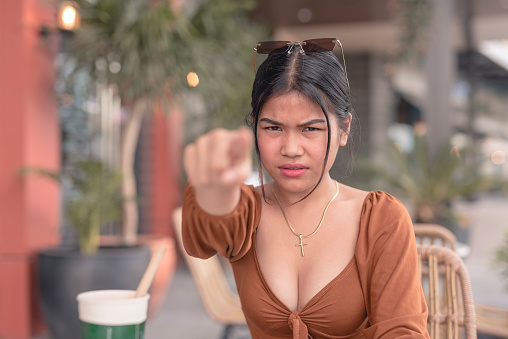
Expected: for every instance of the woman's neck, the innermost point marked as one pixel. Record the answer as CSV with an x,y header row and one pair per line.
x,y
324,191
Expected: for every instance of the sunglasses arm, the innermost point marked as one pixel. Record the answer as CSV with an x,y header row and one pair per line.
x,y
254,49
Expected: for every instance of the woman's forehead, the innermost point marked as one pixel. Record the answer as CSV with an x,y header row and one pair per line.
x,y
294,104
292,107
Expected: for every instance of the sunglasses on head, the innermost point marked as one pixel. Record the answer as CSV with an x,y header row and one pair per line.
x,y
307,47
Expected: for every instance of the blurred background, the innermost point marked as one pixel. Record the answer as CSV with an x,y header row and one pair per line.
x,y
99,97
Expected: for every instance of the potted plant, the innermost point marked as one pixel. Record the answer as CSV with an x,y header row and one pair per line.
x,y
66,271
145,50
429,183
95,202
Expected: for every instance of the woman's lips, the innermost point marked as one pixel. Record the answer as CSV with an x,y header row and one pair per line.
x,y
293,170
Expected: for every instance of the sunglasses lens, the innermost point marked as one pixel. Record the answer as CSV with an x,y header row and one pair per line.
x,y
267,47
319,45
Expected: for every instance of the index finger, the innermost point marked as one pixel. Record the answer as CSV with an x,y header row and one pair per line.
x,y
241,145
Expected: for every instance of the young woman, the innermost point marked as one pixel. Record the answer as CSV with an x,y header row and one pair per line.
x,y
312,258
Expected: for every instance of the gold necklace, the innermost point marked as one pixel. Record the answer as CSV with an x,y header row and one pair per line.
x,y
301,236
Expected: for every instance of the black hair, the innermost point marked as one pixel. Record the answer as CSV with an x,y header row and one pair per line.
x,y
319,76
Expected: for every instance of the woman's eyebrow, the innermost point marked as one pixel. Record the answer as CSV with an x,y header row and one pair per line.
x,y
270,121
312,122
307,123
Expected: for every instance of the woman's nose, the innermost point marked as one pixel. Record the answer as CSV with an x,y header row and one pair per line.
x,y
292,146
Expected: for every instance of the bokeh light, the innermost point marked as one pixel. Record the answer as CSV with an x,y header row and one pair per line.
x,y
498,157
68,16
115,67
304,15
192,79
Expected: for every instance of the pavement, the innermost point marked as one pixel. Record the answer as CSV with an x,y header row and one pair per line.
x,y
488,218
182,315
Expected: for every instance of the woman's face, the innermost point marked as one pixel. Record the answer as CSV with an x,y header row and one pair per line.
x,y
292,137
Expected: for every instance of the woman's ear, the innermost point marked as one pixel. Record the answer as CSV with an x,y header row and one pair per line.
x,y
345,125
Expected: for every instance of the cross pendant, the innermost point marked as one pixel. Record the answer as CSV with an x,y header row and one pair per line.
x,y
301,244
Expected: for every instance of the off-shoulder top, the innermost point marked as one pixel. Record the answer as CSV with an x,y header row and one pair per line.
x,y
377,295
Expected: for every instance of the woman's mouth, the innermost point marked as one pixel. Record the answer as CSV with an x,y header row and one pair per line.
x,y
293,170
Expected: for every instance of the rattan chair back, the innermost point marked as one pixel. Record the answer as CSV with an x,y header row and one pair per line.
x,y
220,302
433,234
447,288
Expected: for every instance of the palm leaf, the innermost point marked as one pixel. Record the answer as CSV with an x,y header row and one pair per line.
x,y
429,182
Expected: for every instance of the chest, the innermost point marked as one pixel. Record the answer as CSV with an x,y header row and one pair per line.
x,y
337,310
297,269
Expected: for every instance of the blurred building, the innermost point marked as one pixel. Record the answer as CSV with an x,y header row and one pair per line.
x,y
37,130
436,92
29,136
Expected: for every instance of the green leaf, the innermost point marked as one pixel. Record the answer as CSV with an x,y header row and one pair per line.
x,y
429,182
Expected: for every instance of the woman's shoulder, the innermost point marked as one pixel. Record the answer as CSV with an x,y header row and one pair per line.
x,y
376,207
351,194
384,202
382,213
369,199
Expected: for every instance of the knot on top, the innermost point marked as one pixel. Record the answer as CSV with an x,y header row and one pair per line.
x,y
295,315
298,327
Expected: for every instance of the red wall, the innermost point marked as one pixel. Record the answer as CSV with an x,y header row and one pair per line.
x,y
165,191
29,136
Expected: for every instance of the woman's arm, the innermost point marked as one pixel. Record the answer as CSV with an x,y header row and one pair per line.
x,y
219,213
230,235
387,261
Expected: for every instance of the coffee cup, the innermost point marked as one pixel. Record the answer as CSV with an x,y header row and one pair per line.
x,y
112,314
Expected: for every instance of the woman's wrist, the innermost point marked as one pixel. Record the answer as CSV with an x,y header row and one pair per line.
x,y
217,200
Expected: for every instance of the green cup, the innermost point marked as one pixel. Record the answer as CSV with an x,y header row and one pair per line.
x,y
112,314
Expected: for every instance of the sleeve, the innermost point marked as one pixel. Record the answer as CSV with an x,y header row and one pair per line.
x,y
229,235
388,266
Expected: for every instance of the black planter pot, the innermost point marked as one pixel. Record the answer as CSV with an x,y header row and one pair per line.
x,y
63,273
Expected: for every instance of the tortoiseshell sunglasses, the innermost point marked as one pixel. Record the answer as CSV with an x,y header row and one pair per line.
x,y
306,46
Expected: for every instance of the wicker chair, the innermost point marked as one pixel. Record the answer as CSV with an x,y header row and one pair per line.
x,y
220,302
447,288
433,234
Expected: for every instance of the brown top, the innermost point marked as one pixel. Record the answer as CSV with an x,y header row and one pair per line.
x,y
377,295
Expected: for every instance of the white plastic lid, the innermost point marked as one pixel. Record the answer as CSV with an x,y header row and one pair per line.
x,y
112,307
